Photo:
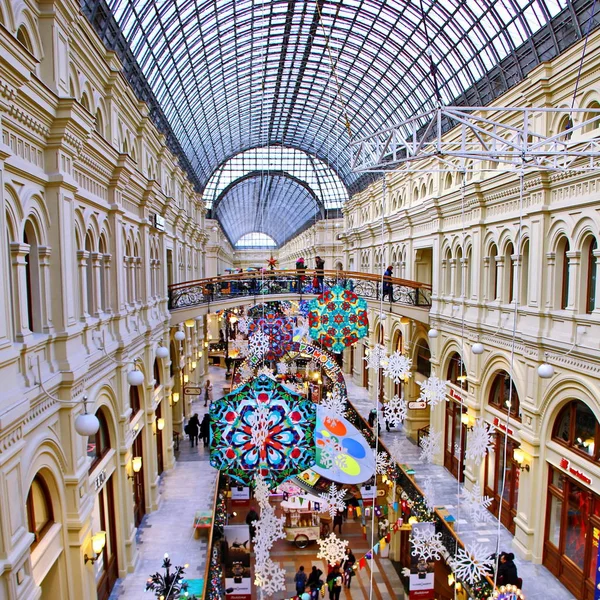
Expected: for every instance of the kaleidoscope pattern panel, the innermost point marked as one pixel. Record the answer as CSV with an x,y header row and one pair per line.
x,y
263,428
338,318
278,328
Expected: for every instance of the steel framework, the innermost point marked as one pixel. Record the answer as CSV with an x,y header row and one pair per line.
x,y
506,138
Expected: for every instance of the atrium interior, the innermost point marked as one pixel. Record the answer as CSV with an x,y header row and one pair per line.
x,y
300,299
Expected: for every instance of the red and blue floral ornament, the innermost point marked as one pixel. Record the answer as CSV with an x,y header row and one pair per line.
x,y
262,428
278,328
338,318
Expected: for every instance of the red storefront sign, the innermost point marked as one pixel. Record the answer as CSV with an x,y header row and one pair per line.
x,y
502,426
565,464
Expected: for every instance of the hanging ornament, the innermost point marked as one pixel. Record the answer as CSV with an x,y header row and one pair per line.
x,y
426,543
397,367
433,390
395,411
334,500
476,504
430,446
332,549
481,441
471,564
376,358
258,345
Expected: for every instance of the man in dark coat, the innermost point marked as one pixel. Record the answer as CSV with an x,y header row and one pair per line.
x,y
193,427
205,429
251,519
507,570
320,265
387,286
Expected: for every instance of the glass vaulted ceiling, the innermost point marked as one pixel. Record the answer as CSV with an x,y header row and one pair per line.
x,y
231,75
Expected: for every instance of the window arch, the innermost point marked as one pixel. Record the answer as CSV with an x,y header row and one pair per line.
x,y
134,400
85,101
423,358
594,105
156,373
524,274
504,396
99,444
456,370
577,428
590,266
493,272
32,279
89,271
448,181
99,124
24,39
562,272
40,515
509,272
566,125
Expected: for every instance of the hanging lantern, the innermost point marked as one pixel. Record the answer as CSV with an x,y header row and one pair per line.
x,y
135,378
477,348
433,333
179,336
190,323
162,352
545,371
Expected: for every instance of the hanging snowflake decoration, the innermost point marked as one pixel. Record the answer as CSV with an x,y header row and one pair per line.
x,y
457,451
293,368
282,368
429,494
395,411
396,451
376,358
269,528
472,564
433,390
258,344
270,577
311,365
332,549
242,325
335,402
397,367
334,500
239,348
481,441
382,463
261,491
430,446
266,371
246,371
476,504
426,543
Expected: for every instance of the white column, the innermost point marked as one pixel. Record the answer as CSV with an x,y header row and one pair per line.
x,y
18,252
44,253
82,258
574,258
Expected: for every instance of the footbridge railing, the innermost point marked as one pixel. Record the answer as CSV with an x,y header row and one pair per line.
x,y
257,284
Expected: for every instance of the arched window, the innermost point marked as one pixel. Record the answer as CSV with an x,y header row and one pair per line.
x,y
562,272
85,102
89,272
459,273
173,354
493,273
591,268
423,358
99,125
32,279
24,39
134,400
156,373
566,125
524,274
456,370
501,396
447,274
40,516
99,444
577,428
448,181
510,272
593,115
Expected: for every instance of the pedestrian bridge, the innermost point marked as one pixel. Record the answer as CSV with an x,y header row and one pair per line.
x,y
190,299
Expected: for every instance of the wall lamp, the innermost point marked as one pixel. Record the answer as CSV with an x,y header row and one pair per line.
x,y
160,425
98,543
519,458
136,466
467,420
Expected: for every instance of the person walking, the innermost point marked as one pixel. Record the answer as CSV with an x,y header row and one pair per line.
x,y
388,289
337,521
315,583
193,428
334,583
348,567
320,265
208,392
205,429
300,581
300,271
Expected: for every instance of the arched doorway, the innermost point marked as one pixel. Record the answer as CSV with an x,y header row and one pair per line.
x,y
455,431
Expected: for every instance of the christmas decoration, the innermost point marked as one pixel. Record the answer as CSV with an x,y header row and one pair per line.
x,y
242,325
338,318
272,263
397,367
240,346
507,592
471,564
293,368
215,580
382,463
270,577
335,402
396,451
167,585
246,371
476,504
376,358
395,411
332,549
278,331
433,390
269,528
261,491
430,446
282,368
258,344
334,500
427,544
481,441
429,494
266,371
287,444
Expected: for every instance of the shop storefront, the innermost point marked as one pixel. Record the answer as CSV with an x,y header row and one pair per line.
x,y
139,492
455,436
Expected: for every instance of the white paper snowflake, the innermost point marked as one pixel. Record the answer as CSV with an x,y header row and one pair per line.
x,y
433,390
429,494
476,504
282,368
270,577
293,368
242,325
258,344
241,346
430,446
397,367
457,451
382,463
472,564
260,426
334,500
269,528
246,371
426,543
261,491
395,411
396,451
480,442
332,549
312,366
376,358
335,402
266,371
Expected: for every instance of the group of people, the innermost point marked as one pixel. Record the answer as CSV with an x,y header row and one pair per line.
x,y
198,430
339,575
319,274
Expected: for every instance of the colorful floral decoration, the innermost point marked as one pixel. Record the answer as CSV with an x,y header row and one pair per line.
x,y
338,318
285,446
279,331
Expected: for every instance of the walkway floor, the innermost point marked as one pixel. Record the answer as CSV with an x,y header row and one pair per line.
x,y
538,582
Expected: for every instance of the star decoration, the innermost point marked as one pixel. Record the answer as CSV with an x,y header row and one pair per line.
x,y
433,390
426,543
334,500
397,367
395,411
471,564
332,549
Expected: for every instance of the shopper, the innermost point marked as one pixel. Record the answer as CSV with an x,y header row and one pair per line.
x,y
348,567
300,581
193,428
507,570
251,519
334,583
338,519
300,271
388,289
208,392
320,265
205,430
315,583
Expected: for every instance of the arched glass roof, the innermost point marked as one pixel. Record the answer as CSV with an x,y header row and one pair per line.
x,y
321,179
277,205
256,240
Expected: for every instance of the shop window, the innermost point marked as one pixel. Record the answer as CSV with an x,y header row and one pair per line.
x,y
593,106
577,428
156,373
134,400
423,355
24,39
40,516
99,444
456,369
504,396
591,268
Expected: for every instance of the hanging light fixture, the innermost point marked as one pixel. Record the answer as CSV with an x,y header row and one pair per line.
x,y
477,348
179,335
433,333
190,323
545,371
135,378
86,425
162,352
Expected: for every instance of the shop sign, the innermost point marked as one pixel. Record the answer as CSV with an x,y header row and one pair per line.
x,y
417,405
456,395
565,464
502,426
240,494
100,480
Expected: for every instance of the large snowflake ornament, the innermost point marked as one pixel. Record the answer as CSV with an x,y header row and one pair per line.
x,y
261,491
311,365
433,390
334,500
332,549
376,358
429,494
382,463
242,325
282,368
293,368
258,344
427,544
397,367
476,504
481,441
335,402
430,446
269,528
246,371
395,411
270,577
472,564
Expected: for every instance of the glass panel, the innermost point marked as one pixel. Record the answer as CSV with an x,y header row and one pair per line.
x,y
562,427
448,430
457,438
594,553
97,525
558,479
40,508
491,467
585,429
577,515
555,520
91,446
